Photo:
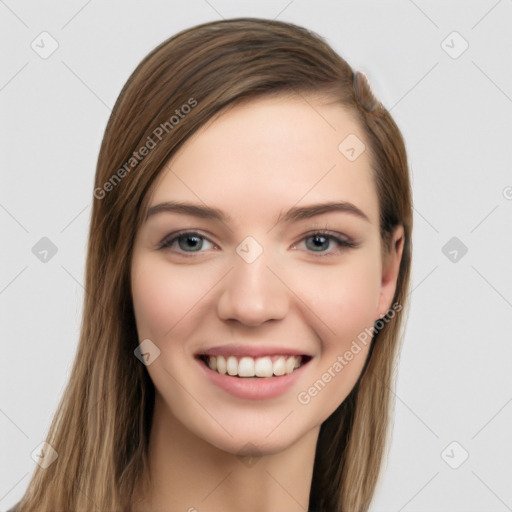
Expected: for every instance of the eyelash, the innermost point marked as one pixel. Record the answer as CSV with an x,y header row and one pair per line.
x,y
342,242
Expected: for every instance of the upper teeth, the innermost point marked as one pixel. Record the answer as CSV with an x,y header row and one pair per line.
x,y
250,367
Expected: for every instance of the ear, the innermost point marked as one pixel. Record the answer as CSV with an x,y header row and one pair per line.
x,y
390,268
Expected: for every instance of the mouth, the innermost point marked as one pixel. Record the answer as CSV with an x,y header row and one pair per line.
x,y
263,367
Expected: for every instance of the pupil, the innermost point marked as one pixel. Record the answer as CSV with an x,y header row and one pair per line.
x,y
319,242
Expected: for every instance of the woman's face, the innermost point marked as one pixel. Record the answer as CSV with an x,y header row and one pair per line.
x,y
239,273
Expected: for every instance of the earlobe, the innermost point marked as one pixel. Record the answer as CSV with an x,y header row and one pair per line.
x,y
390,270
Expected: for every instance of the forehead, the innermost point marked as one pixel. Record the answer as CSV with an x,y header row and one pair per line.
x,y
269,154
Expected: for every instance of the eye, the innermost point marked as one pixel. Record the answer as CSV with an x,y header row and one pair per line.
x,y
321,241
187,242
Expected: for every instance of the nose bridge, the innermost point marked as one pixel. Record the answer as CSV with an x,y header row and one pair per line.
x,y
251,292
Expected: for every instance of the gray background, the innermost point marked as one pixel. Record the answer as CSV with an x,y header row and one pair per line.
x,y
454,380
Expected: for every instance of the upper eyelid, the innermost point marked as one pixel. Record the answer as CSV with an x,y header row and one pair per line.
x,y
172,237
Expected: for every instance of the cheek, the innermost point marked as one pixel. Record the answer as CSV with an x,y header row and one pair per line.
x,y
342,300
342,314
161,298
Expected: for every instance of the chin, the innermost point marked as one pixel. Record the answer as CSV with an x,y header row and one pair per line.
x,y
247,439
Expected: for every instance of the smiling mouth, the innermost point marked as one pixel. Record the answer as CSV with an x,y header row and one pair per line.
x,y
247,367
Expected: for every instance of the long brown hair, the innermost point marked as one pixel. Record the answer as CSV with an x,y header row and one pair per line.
x,y
101,427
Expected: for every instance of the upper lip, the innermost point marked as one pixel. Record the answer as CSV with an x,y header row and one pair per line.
x,y
251,351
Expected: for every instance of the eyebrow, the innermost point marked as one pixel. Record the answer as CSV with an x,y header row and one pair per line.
x,y
294,214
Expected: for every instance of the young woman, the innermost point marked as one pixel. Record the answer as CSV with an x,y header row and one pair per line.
x,y
247,271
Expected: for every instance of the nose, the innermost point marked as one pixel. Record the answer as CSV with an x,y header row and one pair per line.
x,y
253,293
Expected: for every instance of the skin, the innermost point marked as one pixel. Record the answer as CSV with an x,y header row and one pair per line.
x,y
254,162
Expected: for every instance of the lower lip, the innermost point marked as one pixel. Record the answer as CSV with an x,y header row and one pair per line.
x,y
253,388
